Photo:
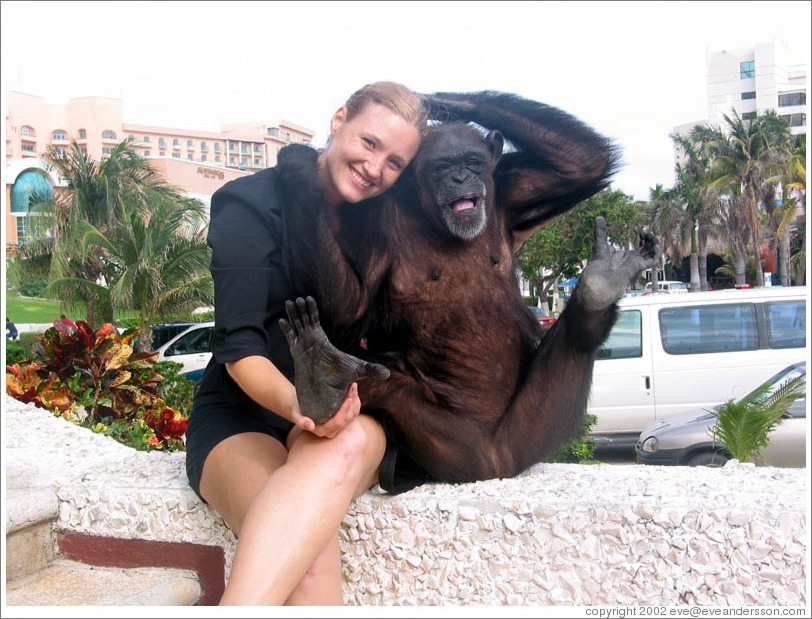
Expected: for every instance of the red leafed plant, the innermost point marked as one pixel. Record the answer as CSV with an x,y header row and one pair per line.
x,y
94,378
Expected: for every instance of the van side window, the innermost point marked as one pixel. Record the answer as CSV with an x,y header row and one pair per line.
x,y
786,324
625,340
708,329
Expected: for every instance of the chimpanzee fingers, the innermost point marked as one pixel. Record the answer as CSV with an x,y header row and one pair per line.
x,y
290,336
649,245
372,370
294,316
600,249
312,311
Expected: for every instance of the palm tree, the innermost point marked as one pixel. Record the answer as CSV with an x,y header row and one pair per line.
x,y
97,196
793,184
742,163
158,259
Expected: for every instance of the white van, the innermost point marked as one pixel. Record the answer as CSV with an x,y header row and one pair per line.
x,y
672,353
668,286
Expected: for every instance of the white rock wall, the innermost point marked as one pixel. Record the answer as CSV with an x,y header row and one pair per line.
x,y
558,534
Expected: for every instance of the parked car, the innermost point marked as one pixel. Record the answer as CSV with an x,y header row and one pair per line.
x,y
191,348
545,320
164,332
685,439
674,353
667,286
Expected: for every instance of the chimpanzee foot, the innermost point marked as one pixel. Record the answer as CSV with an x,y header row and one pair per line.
x,y
323,373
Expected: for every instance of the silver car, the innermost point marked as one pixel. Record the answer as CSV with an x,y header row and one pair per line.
x,y
685,439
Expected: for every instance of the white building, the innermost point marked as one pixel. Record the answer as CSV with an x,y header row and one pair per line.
x,y
753,80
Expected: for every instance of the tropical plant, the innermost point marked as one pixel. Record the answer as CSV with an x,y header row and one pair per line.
x,y
157,260
100,199
743,160
744,426
94,379
580,449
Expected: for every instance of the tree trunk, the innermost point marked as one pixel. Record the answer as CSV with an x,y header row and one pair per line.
x,y
757,259
739,265
702,251
695,282
784,256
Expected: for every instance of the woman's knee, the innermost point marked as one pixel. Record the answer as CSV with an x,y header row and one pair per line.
x,y
354,455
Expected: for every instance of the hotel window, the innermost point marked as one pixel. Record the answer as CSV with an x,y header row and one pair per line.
x,y
161,142
146,153
59,135
28,131
162,154
217,148
29,148
190,157
190,143
108,135
749,115
792,98
204,158
203,146
176,142
795,120
147,139
131,138
82,134
176,155
60,151
273,132
747,69
217,158
748,95
107,150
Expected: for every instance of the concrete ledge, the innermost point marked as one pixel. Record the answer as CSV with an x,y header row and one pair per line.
x,y
558,534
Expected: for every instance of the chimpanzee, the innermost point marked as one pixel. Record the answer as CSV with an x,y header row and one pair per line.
x,y
427,275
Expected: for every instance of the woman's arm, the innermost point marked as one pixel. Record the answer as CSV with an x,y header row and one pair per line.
x,y
265,384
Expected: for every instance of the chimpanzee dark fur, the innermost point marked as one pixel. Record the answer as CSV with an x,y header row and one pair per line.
x,y
427,275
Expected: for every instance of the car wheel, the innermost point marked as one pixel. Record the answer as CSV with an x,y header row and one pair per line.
x,y
708,458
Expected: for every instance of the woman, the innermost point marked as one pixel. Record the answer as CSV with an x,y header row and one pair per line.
x,y
279,480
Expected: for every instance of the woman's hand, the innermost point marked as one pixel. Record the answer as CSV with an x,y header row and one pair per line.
x,y
350,409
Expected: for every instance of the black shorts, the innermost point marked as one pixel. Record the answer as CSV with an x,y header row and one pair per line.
x,y
214,418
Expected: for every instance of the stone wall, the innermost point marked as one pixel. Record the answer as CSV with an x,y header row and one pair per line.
x,y
557,534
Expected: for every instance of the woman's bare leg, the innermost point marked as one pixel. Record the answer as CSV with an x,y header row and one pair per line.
x,y
288,543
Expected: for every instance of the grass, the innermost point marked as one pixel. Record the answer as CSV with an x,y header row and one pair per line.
x,y
27,310
22,310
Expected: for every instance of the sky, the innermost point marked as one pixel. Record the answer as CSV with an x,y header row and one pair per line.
x,y
632,70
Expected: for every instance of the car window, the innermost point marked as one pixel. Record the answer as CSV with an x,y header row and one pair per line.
x,y
625,340
786,324
196,341
707,329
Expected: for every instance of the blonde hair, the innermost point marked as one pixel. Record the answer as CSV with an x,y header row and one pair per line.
x,y
401,100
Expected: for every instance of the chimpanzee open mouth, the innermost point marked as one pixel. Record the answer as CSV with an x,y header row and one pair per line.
x,y
465,203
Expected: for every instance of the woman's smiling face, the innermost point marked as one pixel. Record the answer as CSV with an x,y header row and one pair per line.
x,y
366,154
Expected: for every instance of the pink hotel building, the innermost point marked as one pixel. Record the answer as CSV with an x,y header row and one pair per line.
x,y
199,162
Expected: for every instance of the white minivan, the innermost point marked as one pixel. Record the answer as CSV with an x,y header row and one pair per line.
x,y
673,353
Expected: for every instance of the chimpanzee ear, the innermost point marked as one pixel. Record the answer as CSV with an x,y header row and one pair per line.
x,y
495,143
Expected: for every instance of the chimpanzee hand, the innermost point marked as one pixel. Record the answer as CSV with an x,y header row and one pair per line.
x,y
449,106
323,373
609,273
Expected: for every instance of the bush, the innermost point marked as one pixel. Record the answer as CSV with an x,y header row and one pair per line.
x,y
92,378
15,351
578,450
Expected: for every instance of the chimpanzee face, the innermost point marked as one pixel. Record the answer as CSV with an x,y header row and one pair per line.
x,y
454,170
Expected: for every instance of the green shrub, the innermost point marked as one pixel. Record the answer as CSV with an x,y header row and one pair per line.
x,y
578,450
15,351
94,379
